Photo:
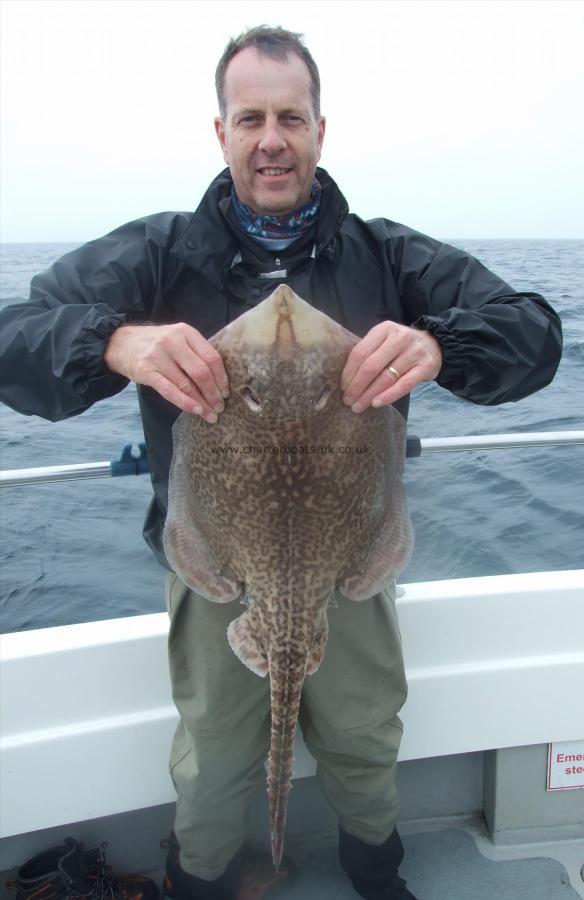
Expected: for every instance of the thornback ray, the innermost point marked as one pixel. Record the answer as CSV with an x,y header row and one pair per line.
x,y
288,498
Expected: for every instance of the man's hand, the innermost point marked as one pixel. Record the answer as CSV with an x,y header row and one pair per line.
x,y
415,356
175,360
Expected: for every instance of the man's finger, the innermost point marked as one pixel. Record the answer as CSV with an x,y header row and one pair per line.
x,y
198,372
403,386
212,359
174,385
366,346
376,363
402,364
171,392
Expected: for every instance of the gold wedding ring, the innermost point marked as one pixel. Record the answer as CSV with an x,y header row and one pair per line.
x,y
393,372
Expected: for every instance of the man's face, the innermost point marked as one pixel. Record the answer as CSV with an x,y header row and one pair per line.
x,y
270,138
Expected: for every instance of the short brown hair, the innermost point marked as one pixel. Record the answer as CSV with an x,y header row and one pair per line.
x,y
275,42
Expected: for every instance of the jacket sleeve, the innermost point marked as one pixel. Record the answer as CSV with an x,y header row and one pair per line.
x,y
498,344
51,347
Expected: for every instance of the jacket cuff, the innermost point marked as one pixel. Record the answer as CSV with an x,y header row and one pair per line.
x,y
451,374
100,380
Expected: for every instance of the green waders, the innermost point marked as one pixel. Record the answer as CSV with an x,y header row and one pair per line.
x,y
348,716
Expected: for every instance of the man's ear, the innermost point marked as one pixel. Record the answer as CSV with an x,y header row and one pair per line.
x,y
220,132
321,131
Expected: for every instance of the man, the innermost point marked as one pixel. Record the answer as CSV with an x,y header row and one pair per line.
x,y
427,312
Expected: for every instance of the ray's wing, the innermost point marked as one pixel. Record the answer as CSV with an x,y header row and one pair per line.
x,y
391,547
186,548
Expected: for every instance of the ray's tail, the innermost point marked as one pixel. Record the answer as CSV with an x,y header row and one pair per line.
x,y
286,688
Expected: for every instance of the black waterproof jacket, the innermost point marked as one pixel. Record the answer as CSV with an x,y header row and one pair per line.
x,y
497,344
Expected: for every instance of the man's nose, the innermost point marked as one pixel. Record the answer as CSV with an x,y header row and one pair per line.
x,y
272,138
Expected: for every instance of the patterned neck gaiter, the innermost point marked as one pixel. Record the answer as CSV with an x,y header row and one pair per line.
x,y
277,232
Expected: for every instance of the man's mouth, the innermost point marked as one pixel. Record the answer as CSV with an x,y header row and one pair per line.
x,y
273,171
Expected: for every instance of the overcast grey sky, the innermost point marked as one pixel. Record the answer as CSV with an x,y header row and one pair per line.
x,y
460,118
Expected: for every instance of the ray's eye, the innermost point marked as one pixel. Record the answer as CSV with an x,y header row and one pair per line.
x,y
322,400
250,398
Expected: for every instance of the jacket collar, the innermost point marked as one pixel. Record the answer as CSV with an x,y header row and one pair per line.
x,y
209,243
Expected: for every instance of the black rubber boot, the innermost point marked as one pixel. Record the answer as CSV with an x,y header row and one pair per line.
x,y
249,876
180,885
373,869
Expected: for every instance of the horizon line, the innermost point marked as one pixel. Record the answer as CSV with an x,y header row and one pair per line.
x,y
444,240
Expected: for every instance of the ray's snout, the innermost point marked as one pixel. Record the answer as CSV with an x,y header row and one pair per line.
x,y
284,318
283,323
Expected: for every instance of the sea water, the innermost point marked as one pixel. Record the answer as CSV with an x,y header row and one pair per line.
x,y
73,552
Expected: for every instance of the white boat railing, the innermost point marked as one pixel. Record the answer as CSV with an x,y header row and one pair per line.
x,y
132,464
128,464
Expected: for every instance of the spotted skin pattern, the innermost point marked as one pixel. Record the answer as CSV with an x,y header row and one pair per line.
x,y
255,513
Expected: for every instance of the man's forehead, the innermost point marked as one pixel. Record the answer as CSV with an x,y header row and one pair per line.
x,y
251,74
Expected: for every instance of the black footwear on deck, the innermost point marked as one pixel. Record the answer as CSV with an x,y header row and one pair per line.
x,y
373,869
249,876
69,872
